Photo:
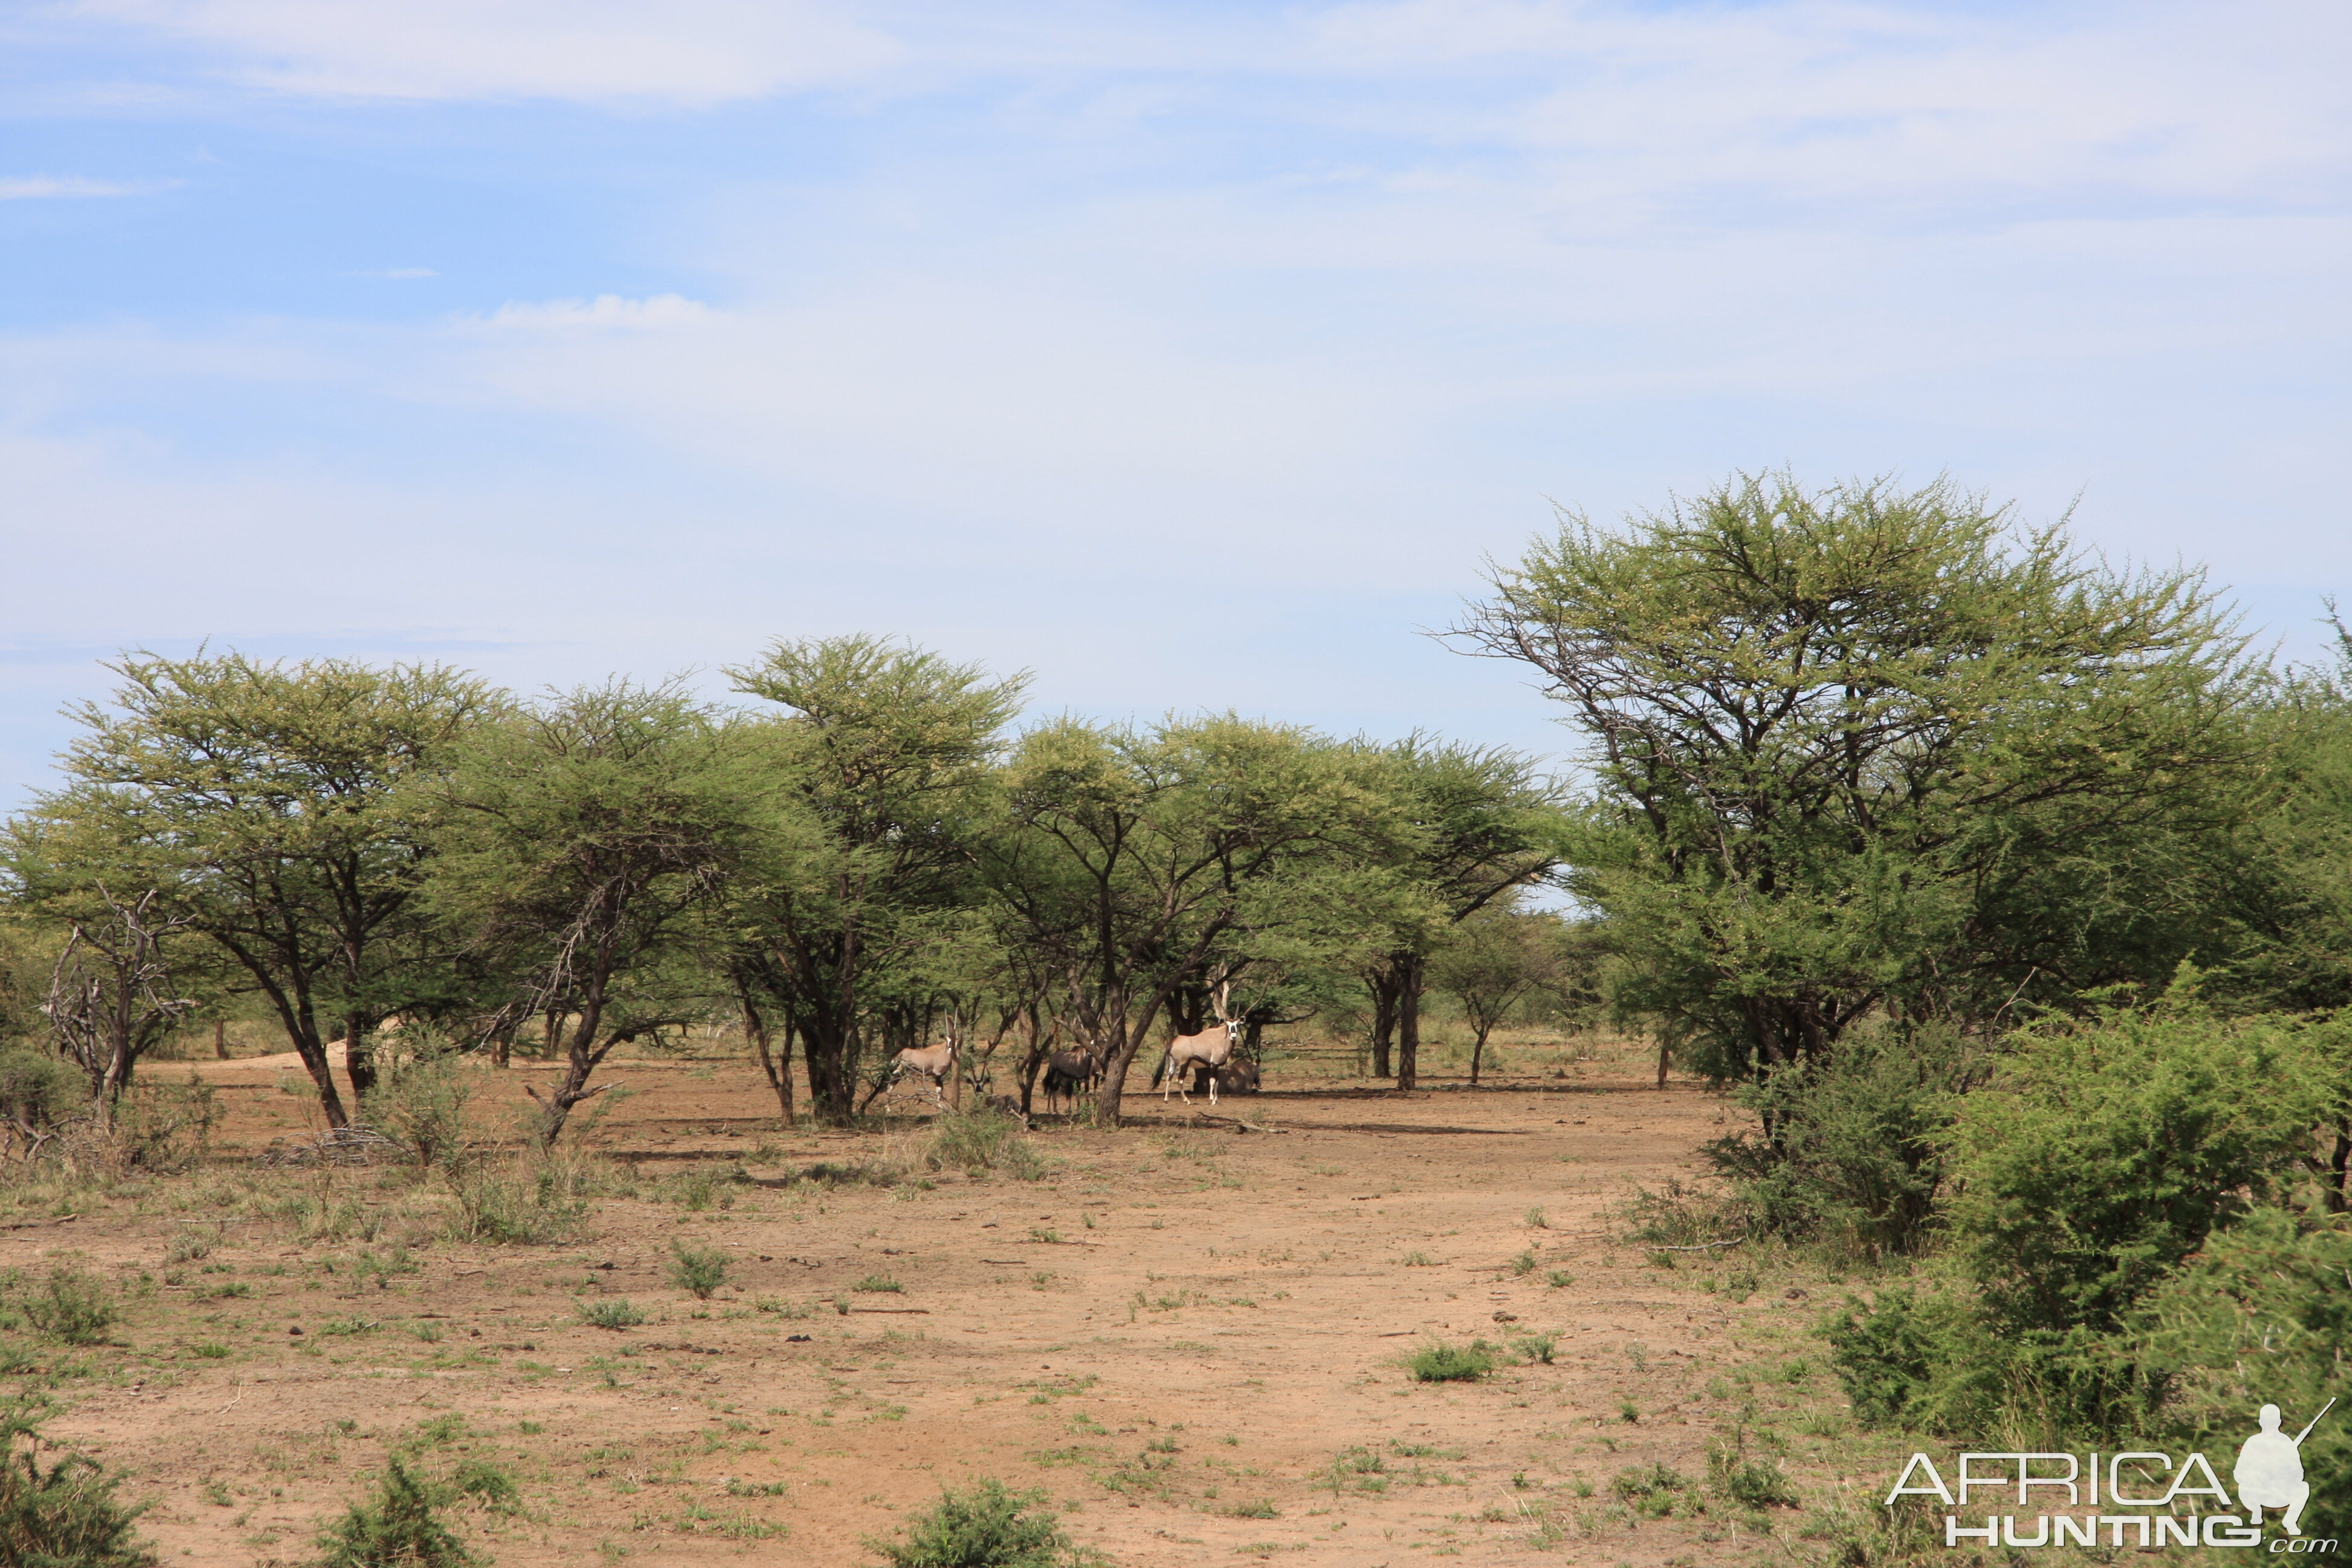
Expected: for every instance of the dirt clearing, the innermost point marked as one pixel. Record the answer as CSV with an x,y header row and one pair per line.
x,y
1194,1334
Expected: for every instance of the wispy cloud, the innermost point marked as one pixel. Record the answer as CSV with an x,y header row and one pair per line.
x,y
53,187
605,311
399,274
689,51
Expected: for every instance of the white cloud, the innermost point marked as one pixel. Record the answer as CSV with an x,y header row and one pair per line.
x,y
686,51
605,313
49,187
1788,110
399,274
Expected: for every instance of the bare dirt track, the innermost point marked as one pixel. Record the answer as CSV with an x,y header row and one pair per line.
x,y
1191,1333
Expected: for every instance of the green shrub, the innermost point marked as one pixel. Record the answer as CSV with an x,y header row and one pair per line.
x,y
401,1528
1854,1156
699,1271
2104,1156
162,1127
421,1104
703,1188
71,1305
489,1484
38,1090
1750,1483
2260,1318
614,1314
1651,1491
982,1140
878,1282
1452,1364
983,1527
2097,1161
68,1515
514,1205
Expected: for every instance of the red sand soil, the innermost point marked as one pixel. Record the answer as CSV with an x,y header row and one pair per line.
x,y
1191,1333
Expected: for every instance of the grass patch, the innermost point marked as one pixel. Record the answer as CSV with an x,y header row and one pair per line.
x,y
614,1314
66,1513
880,1284
985,1526
71,1306
982,1141
1652,1491
400,1528
698,1271
1452,1364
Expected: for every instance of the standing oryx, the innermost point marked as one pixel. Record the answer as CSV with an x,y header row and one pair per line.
x,y
1210,1049
934,1062
1069,1073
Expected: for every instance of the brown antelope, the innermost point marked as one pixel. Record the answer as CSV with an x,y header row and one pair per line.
x,y
934,1062
1210,1049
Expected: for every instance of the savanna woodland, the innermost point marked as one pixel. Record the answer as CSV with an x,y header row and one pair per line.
x,y
443,1125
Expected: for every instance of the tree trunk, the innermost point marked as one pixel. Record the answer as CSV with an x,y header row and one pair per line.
x,y
778,1069
1033,1057
1384,1014
1664,1051
359,1058
579,1061
301,1027
829,1048
322,1076
1478,1053
220,1038
1408,1006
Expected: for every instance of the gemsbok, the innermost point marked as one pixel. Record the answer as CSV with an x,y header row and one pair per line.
x,y
934,1062
1210,1049
1069,1073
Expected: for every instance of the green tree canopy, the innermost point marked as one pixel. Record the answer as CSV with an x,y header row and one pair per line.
x,y
882,763
264,802
1136,857
584,847
1867,748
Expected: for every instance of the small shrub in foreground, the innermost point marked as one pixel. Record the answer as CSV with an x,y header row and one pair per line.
x,y
984,1141
1452,1364
985,1526
1651,1491
401,1528
699,1271
1750,1483
71,1305
66,1514
516,1207
614,1314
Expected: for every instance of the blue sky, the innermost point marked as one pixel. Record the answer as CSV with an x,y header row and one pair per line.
x,y
1188,355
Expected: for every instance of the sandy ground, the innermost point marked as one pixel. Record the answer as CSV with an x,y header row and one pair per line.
x,y
1191,1334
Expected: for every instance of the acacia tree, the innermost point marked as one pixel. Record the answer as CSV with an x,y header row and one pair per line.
x,y
264,802
1491,959
2293,864
1134,854
1479,823
1863,748
111,999
880,767
585,844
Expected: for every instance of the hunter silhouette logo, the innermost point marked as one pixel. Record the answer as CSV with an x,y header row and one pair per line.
x,y
2269,1472
2136,1497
